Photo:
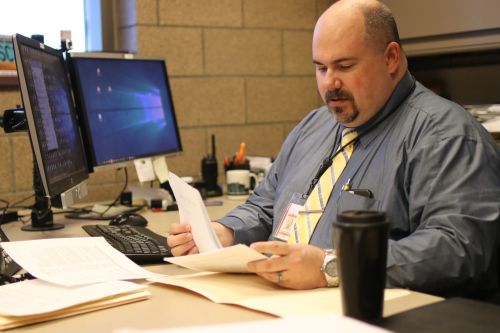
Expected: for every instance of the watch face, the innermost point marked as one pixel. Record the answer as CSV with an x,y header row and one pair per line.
x,y
331,268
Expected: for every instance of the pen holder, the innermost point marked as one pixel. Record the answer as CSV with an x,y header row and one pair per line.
x,y
241,166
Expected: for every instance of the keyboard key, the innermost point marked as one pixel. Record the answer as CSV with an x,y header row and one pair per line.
x,y
139,244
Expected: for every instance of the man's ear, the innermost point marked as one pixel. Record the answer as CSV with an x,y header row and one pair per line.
x,y
392,57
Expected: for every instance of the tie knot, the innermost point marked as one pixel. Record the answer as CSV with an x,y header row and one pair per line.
x,y
348,134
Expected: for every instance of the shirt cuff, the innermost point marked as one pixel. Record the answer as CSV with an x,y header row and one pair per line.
x,y
241,234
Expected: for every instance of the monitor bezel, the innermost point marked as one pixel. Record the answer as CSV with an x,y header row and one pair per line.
x,y
82,114
51,189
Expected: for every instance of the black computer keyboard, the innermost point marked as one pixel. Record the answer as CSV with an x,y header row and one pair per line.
x,y
139,244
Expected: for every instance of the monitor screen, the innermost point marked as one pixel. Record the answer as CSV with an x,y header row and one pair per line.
x,y
125,107
49,107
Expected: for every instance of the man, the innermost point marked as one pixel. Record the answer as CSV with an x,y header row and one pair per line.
x,y
425,161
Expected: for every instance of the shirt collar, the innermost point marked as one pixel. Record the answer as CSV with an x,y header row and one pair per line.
x,y
403,89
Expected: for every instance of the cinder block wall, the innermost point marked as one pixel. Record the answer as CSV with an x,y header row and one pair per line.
x,y
239,69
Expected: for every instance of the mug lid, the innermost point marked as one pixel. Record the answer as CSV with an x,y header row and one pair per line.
x,y
361,216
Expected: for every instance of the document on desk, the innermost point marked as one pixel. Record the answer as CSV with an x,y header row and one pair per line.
x,y
232,259
74,261
192,211
253,292
32,297
33,301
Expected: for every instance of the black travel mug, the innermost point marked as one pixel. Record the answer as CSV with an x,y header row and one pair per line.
x,y
360,239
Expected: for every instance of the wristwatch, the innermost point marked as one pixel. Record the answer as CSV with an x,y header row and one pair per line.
x,y
329,268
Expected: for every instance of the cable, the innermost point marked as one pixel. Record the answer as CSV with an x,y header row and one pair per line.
x,y
16,205
9,205
326,164
119,195
88,213
4,210
25,220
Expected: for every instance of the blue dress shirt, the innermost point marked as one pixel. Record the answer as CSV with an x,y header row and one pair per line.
x,y
431,167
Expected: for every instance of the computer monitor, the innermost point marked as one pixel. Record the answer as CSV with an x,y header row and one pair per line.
x,y
125,108
57,145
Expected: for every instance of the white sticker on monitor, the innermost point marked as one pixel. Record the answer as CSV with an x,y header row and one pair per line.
x,y
145,169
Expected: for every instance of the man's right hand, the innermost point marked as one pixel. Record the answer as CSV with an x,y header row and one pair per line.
x,y
180,240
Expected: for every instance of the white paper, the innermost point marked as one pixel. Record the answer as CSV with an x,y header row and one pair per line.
x,y
161,169
232,259
317,323
494,108
492,125
259,163
110,211
192,211
74,261
33,297
149,193
145,169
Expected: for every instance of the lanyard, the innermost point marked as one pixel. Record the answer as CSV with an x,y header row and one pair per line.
x,y
327,162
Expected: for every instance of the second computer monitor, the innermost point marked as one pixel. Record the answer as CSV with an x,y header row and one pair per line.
x,y
125,107
51,118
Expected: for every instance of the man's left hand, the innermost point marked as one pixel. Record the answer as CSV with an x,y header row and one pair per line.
x,y
294,266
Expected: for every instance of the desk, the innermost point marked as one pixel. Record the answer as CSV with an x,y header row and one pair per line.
x,y
168,306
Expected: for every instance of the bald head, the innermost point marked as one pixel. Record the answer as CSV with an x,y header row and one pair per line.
x,y
379,24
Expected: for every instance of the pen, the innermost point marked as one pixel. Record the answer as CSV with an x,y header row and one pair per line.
x,y
361,192
347,185
240,156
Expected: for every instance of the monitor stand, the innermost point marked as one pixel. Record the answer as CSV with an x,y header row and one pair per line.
x,y
42,217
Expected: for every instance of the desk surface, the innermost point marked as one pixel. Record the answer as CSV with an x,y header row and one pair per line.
x,y
168,306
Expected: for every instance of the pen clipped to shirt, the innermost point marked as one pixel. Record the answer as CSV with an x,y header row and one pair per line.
x,y
362,192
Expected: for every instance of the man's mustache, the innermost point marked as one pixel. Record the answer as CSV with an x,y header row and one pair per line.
x,y
337,94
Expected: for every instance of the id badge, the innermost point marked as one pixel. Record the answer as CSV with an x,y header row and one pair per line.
x,y
290,217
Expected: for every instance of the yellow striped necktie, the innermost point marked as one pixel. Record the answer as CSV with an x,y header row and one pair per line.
x,y
317,200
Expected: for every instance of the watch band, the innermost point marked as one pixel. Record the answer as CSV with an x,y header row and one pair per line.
x,y
329,268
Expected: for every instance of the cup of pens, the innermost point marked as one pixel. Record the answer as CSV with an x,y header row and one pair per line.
x,y
239,179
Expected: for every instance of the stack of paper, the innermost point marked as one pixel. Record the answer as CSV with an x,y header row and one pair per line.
x,y
76,275
34,301
74,261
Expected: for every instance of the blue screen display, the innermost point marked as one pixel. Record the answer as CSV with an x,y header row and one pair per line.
x,y
127,108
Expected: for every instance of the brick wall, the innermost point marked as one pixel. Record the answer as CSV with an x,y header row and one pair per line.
x,y
239,69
